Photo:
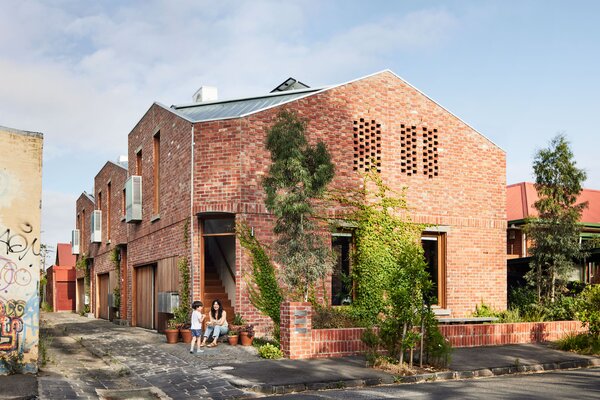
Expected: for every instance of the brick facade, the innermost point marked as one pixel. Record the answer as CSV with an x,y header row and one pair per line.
x,y
456,181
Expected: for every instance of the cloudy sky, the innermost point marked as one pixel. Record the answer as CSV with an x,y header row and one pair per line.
x,y
84,72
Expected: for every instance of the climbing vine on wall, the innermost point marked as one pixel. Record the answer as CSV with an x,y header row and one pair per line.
x,y
264,291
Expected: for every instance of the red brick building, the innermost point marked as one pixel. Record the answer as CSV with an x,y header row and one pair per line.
x,y
60,287
201,167
81,247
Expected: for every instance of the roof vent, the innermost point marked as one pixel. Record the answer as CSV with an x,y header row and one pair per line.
x,y
290,84
206,93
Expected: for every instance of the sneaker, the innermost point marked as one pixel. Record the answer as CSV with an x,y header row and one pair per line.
x,y
199,351
191,351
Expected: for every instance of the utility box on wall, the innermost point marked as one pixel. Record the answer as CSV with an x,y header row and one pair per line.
x,y
168,302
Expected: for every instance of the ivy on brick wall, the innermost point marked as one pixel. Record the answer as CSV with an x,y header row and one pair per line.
x,y
264,291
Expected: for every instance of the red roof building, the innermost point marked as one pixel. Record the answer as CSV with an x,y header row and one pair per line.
x,y
60,289
520,200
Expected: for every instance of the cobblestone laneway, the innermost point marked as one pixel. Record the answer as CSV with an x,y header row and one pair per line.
x,y
87,354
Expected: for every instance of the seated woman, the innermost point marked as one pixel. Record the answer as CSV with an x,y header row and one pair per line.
x,y
216,325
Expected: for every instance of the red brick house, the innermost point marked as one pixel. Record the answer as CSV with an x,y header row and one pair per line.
x,y
520,199
60,286
198,168
81,246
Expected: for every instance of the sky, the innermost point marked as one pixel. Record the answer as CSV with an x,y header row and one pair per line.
x,y
84,72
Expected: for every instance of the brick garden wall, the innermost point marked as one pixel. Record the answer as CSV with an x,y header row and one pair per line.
x,y
299,340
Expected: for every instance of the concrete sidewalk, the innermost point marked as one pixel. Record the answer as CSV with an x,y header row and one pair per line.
x,y
97,359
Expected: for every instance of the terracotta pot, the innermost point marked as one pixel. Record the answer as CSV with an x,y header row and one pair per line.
x,y
186,335
172,335
233,340
246,340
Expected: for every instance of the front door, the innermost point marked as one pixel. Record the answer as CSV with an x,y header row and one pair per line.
x,y
103,287
144,297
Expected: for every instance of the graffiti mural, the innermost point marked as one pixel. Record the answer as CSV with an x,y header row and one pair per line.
x,y
11,324
20,225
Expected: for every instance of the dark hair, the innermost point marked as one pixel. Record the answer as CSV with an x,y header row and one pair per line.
x,y
197,304
219,313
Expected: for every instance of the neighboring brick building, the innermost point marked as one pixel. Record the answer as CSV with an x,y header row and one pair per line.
x,y
520,200
61,280
82,248
201,167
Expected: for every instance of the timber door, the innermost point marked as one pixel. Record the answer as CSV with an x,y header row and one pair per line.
x,y
80,295
103,287
144,297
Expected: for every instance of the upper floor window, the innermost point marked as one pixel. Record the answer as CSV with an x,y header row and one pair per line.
x,y
156,175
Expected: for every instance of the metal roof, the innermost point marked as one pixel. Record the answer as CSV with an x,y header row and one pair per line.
x,y
227,109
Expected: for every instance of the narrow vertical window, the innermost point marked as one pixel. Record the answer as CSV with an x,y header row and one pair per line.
x,y
108,198
123,203
156,165
138,163
99,202
434,246
340,278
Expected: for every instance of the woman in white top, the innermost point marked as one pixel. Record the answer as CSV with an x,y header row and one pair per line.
x,y
217,323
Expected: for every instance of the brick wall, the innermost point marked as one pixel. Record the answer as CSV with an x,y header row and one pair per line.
x,y
499,334
299,340
296,322
468,194
159,235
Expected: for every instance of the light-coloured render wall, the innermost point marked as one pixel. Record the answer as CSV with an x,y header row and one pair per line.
x,y
20,202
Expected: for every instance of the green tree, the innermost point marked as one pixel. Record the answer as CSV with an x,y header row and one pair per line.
x,y
555,232
298,175
389,272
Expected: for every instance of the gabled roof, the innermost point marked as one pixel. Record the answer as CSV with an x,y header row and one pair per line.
x,y
238,108
520,198
64,258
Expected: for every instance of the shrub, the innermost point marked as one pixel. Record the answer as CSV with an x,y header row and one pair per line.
x,y
581,343
587,308
325,317
270,351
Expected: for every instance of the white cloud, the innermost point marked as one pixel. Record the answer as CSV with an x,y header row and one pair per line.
x,y
58,217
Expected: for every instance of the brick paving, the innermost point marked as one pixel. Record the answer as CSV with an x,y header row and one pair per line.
x,y
88,354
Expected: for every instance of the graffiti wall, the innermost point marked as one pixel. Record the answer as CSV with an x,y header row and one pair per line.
x,y
20,216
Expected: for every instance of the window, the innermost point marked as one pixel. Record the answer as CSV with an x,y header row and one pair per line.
x,y
99,201
434,246
108,196
340,278
138,163
123,203
156,176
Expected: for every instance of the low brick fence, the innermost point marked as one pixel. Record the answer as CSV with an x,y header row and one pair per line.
x,y
299,340
498,334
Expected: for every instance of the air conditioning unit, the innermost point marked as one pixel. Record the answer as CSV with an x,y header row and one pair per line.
x,y
168,302
133,199
96,230
75,241
112,301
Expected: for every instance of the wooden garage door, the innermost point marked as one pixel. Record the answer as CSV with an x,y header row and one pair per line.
x,y
103,287
80,295
144,297
65,296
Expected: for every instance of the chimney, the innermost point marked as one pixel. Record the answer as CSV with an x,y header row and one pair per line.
x,y
205,93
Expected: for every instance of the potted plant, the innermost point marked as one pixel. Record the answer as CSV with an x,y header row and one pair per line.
x,y
181,318
233,337
172,333
247,335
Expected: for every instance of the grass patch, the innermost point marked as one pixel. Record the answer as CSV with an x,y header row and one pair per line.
x,y
582,343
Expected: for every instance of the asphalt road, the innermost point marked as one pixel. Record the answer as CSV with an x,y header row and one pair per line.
x,y
570,384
